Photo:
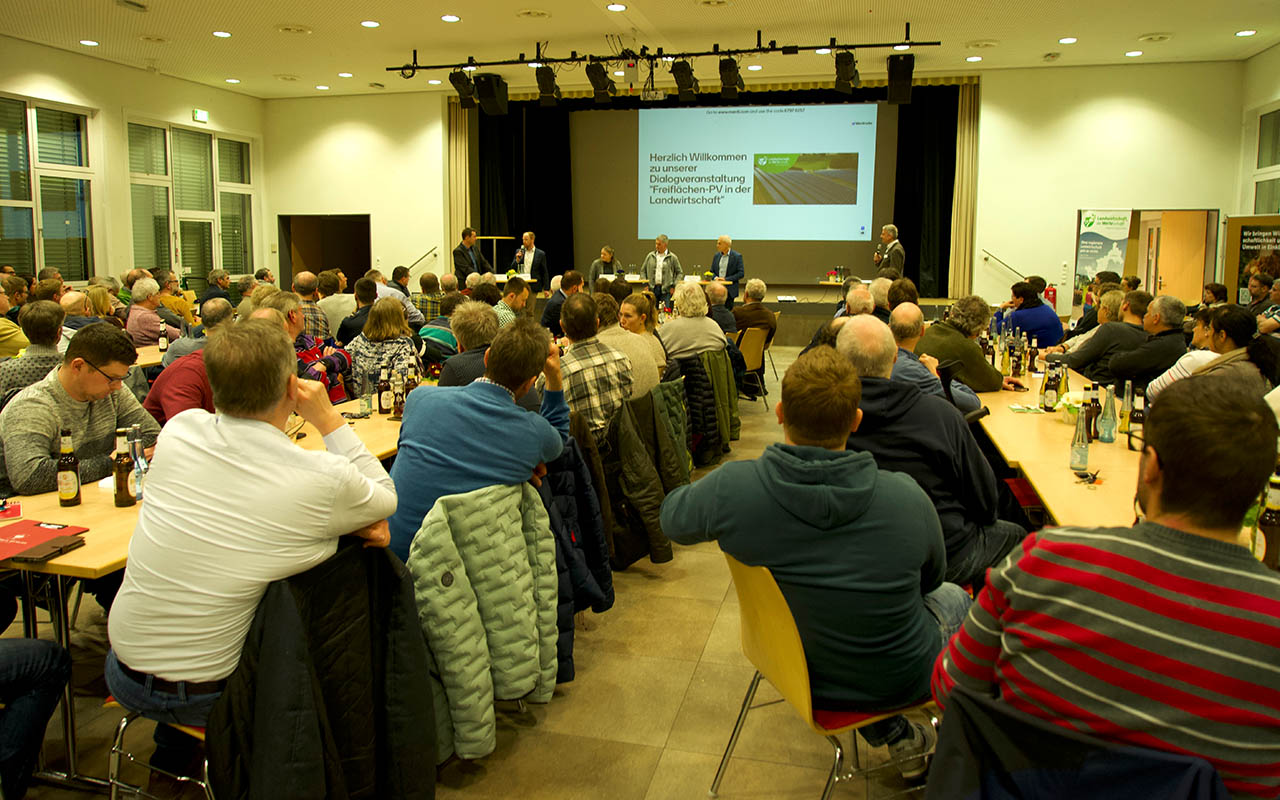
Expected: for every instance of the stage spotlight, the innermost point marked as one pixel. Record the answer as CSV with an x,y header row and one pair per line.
x,y
847,78
686,84
730,79
465,88
603,86
548,92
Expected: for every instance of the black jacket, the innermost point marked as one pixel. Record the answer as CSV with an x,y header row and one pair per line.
x,y
332,696
462,262
351,327
724,318
215,291
926,437
551,313
704,440
1149,360
634,476
468,365
1087,322
1093,358
537,269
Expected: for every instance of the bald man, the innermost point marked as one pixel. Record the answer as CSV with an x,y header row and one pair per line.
x,y
906,323
315,322
76,306
927,438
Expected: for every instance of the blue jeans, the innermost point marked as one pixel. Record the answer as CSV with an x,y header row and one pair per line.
x,y
178,708
949,605
989,548
32,676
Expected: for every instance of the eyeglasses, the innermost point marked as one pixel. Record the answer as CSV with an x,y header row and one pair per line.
x,y
110,378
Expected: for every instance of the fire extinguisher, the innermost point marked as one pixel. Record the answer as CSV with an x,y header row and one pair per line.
x,y
1051,295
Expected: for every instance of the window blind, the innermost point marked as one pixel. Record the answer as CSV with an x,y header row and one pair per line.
x,y
233,161
64,218
196,253
150,205
60,138
15,170
17,244
146,150
237,232
192,170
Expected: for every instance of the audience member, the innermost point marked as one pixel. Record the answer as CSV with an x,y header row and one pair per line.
x,y
690,331
318,360
902,290
514,297
448,283
927,438
335,304
246,287
183,384
1197,356
11,339
75,305
1026,312
1157,636
600,285
554,285
1164,346
470,284
385,343
879,290
436,460
85,395
411,313
952,339
1240,354
314,321
41,323
872,610
597,378
1089,319
437,334
215,312
172,301
16,289
636,315
428,299
48,289
144,324
717,294
827,334
906,323
1131,283
1070,344
644,371
264,275
1119,331
1215,294
198,566
102,305
219,282
33,673
1260,286
125,295
570,283
620,288
487,293
475,325
1269,320
400,280
753,313
857,300
366,292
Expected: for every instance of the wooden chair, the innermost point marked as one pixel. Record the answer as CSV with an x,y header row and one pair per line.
x,y
117,750
771,641
751,344
777,320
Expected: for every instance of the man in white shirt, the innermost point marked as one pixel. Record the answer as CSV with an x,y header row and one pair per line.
x,y
661,268
411,312
198,566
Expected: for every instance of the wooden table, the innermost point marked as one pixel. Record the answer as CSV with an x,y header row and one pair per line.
x,y
149,356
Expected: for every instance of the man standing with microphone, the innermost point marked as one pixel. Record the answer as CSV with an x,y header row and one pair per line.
x,y
532,260
890,253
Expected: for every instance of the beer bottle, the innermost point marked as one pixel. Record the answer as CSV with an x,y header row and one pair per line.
x,y
1033,355
410,382
1052,386
1126,407
386,400
1095,412
397,401
1269,523
68,473
126,483
1107,423
1138,415
1080,443
1015,368
1005,368
163,341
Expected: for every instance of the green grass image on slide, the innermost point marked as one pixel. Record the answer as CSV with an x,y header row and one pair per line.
x,y
824,179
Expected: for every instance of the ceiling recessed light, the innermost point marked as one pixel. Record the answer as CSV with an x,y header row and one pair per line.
x,y
754,67
222,34
822,51
1245,33
1067,40
450,18
1133,53
902,47
619,73
973,59
616,7
88,43
233,80
322,87
434,81
368,23
344,74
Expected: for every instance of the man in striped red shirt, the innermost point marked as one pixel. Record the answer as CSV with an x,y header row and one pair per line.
x,y
1165,635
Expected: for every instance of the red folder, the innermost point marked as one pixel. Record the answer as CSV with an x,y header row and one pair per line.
x,y
21,536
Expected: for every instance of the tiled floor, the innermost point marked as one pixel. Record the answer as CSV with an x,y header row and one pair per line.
x,y
660,678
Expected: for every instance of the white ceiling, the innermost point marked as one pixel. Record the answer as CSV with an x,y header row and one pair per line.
x,y
258,52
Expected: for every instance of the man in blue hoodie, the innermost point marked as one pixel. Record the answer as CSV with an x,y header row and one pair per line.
x,y
1026,312
857,551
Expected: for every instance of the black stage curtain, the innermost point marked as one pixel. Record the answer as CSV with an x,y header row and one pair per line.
x,y
924,184
525,170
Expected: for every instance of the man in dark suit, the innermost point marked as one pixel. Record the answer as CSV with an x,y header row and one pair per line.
x,y
366,295
467,257
726,266
532,260
219,280
571,283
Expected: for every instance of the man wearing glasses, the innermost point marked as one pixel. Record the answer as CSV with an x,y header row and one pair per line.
x,y
171,300
11,338
1162,635
86,394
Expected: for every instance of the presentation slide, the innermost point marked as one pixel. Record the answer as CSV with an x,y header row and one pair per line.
x,y
768,173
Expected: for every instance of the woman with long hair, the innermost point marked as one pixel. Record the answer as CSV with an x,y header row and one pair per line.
x,y
385,341
635,313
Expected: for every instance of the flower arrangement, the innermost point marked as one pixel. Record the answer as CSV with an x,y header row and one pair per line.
x,y
708,275
833,274
511,273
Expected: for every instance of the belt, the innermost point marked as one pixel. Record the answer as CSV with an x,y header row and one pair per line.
x,y
160,684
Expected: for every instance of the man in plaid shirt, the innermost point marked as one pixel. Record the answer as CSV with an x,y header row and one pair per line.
x,y
318,359
315,323
428,300
597,378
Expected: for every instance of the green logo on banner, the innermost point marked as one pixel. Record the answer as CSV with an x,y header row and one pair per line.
x,y
1089,219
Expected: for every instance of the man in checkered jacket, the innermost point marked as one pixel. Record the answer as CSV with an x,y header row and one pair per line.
x,y
597,378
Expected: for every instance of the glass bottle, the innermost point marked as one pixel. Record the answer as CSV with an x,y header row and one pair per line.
x,y
1080,443
1126,407
1095,411
397,396
386,399
1005,367
1138,415
1015,364
1108,422
1050,388
1033,355
126,483
163,340
140,465
410,382
1269,523
68,472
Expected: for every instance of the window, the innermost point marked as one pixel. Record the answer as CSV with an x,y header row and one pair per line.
x,y
1269,140
192,202
46,190
1267,197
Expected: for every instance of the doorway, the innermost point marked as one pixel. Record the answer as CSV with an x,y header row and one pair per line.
x,y
316,242
1177,252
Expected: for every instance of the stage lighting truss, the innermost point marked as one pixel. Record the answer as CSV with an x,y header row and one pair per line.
x,y
602,86
548,92
847,78
686,84
730,79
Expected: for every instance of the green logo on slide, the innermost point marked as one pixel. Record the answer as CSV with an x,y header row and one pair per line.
x,y
776,162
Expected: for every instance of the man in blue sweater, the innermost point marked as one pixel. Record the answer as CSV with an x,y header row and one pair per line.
x,y
447,440
857,551
1026,312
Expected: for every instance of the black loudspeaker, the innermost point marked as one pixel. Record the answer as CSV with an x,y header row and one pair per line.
x,y
901,65
491,91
